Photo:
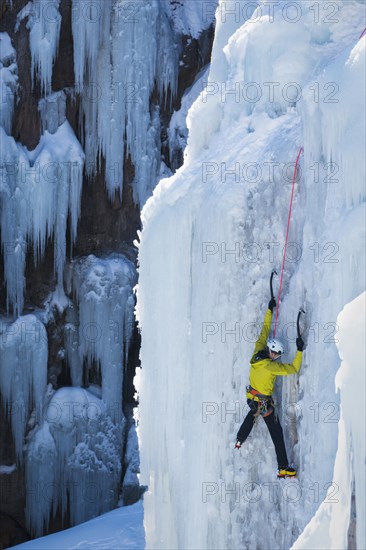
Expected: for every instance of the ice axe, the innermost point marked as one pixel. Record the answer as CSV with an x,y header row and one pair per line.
x,y
274,272
301,310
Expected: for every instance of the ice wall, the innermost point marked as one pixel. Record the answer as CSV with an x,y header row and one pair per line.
x,y
329,528
219,223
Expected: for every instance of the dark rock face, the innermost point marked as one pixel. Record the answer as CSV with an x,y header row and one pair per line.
x,y
63,71
196,53
26,120
13,532
352,539
105,226
12,490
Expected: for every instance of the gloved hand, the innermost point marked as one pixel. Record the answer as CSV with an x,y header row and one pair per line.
x,y
300,343
272,304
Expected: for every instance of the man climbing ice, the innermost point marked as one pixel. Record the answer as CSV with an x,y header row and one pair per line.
x,y
262,376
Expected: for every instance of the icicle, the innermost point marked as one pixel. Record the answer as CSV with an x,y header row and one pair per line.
x,y
38,189
167,59
72,346
23,372
40,470
88,26
44,24
92,66
103,289
8,81
148,164
119,58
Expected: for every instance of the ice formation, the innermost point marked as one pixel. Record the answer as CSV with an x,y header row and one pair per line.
x,y
38,190
190,18
23,372
104,292
126,54
82,448
8,81
81,436
219,223
123,50
131,486
44,24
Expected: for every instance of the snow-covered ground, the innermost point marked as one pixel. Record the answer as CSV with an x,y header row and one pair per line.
x,y
211,235
116,530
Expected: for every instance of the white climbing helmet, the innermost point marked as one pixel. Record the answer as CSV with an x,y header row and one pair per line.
x,y
275,345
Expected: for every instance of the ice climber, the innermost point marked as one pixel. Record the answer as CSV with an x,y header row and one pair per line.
x,y
262,376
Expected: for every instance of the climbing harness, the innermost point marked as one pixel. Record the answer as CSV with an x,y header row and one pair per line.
x,y
265,403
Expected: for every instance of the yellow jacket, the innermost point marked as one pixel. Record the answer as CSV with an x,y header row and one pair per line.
x,y
263,372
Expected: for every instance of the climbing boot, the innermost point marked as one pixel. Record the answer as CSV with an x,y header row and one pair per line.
x,y
286,472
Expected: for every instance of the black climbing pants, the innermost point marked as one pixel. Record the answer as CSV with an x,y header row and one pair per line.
x,y
274,427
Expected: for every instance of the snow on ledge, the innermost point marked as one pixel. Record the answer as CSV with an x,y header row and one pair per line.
x,y
7,469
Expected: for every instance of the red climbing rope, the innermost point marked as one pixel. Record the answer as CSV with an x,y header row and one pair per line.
x,y
286,241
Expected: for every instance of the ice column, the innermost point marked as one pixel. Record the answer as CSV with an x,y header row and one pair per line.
x,y
23,372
